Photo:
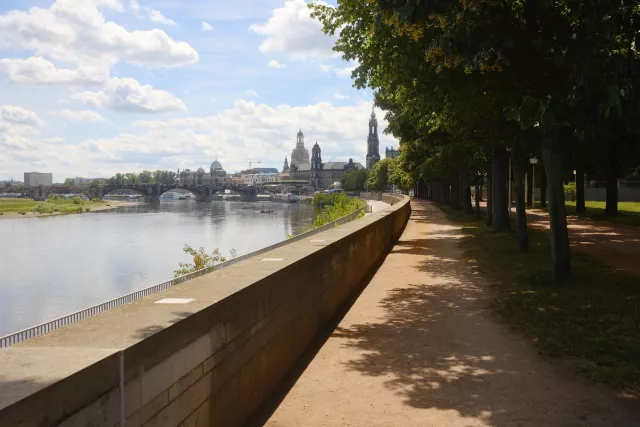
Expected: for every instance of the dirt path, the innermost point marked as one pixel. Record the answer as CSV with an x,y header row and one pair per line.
x,y
613,244
418,348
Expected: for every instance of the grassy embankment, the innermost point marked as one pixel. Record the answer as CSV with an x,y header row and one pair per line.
x,y
53,205
593,320
334,206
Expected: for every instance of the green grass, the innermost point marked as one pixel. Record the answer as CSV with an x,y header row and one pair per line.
x,y
593,320
629,212
23,206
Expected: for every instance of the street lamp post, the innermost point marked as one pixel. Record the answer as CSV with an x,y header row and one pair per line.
x,y
533,162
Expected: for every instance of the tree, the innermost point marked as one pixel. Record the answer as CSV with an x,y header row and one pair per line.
x,y
68,181
378,178
399,176
354,180
145,177
201,260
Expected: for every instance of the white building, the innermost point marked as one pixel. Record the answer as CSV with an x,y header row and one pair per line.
x,y
37,179
254,179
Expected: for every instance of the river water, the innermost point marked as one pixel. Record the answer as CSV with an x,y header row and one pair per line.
x,y
53,266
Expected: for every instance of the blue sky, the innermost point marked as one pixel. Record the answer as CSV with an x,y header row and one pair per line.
x,y
95,87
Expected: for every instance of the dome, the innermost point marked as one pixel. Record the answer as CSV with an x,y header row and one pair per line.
x,y
216,165
201,170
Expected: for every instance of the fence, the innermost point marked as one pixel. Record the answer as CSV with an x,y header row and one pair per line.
x,y
52,325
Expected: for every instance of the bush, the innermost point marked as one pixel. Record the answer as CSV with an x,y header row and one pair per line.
x,y
53,197
570,188
43,207
77,200
87,209
201,260
96,200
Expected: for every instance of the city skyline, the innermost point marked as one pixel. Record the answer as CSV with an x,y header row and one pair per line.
x,y
239,87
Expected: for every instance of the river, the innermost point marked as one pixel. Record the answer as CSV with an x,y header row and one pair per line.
x,y
53,266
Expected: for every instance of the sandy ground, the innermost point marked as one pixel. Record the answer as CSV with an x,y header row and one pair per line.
x,y
114,204
419,348
616,245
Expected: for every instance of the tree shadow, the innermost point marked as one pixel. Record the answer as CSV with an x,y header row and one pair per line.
x,y
436,346
147,331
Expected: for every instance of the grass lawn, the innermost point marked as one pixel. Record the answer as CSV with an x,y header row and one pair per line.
x,y
593,320
22,206
629,212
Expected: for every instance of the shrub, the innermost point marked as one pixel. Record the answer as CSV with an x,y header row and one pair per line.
x,y
96,200
43,207
201,260
76,200
570,188
53,197
87,209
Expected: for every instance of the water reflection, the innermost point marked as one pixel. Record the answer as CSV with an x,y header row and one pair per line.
x,y
53,266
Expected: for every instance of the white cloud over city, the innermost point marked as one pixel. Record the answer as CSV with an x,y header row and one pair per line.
x,y
95,87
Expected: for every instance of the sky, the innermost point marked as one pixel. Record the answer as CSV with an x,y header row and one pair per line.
x,y
94,87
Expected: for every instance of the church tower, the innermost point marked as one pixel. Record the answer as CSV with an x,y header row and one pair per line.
x,y
316,165
285,168
373,143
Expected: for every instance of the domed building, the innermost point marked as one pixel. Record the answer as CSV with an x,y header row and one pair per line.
x,y
216,175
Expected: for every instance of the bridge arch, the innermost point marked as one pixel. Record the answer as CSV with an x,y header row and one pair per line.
x,y
195,191
107,191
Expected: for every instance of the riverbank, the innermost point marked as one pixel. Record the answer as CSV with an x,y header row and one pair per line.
x,y
24,208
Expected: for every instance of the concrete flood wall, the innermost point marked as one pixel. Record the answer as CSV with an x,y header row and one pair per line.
x,y
203,353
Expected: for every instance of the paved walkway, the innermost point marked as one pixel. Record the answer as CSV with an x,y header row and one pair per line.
x,y
377,206
419,349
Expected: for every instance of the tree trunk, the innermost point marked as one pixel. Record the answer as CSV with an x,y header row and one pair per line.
x,y
478,197
500,206
560,252
543,188
489,212
521,215
530,185
580,205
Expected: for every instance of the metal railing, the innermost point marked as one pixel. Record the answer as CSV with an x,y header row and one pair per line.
x,y
52,325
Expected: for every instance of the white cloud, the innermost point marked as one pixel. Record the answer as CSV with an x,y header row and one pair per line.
x,y
233,135
127,94
81,115
251,94
291,30
157,16
205,26
275,64
18,115
135,6
346,71
339,96
325,68
39,71
76,31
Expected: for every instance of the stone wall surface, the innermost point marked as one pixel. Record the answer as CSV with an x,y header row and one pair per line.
x,y
208,361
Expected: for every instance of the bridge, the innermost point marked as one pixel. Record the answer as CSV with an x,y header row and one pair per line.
x,y
148,191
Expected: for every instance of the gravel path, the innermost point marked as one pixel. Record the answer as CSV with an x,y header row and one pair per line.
x,y
418,348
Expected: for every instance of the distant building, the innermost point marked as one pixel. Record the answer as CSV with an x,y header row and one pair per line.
x,y
11,183
321,175
300,154
79,181
215,175
373,143
266,170
260,178
285,168
37,179
392,153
